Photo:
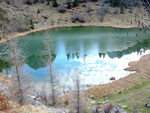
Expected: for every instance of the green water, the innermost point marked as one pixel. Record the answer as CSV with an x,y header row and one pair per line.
x,y
99,53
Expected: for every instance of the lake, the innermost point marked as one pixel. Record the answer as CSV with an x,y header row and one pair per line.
x,y
97,53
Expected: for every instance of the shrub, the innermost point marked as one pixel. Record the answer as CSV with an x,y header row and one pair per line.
x,y
88,8
31,24
125,3
22,28
94,0
75,17
62,9
4,104
69,5
115,3
55,4
106,1
130,9
122,10
80,17
38,11
3,13
116,11
102,11
75,3
108,108
48,2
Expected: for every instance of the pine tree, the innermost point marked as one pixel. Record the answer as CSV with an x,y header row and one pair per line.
x,y
55,3
68,5
31,24
75,3
48,2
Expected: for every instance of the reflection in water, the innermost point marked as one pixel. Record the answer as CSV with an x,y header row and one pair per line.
x,y
4,65
99,52
37,62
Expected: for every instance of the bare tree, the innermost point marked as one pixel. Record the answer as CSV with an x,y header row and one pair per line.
x,y
14,56
140,18
20,80
78,93
53,81
78,104
146,3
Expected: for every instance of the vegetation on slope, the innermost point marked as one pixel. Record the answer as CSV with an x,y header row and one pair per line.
x,y
134,99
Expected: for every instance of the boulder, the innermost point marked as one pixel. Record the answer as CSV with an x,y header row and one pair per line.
x,y
123,107
98,103
36,103
147,105
93,102
92,96
112,78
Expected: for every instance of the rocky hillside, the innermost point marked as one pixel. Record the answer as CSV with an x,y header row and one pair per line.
x,y
22,15
12,18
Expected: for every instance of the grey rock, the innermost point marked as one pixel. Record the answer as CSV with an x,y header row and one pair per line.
x,y
93,102
36,103
94,110
98,103
148,105
124,107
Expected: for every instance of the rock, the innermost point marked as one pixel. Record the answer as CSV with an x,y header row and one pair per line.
x,y
93,102
89,85
105,100
92,97
124,107
116,11
93,110
58,110
108,108
101,111
36,103
148,105
98,103
45,17
62,9
119,105
9,76
117,110
112,78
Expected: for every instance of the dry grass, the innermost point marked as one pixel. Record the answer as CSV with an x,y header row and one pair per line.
x,y
142,68
4,103
11,107
5,79
8,106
